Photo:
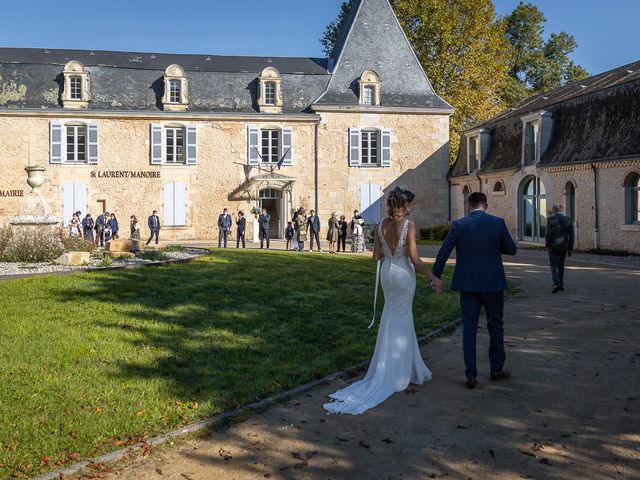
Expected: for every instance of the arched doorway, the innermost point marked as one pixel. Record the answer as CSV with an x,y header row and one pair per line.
x,y
273,200
533,210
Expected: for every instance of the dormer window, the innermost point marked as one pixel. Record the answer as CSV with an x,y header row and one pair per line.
x,y
473,154
76,87
536,135
530,142
270,91
175,89
369,89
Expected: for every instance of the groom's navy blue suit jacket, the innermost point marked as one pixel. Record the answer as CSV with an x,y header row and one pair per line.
x,y
480,240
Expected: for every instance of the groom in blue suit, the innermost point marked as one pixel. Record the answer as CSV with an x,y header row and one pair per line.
x,y
480,240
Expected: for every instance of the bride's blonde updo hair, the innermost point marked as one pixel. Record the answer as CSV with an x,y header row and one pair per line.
x,y
396,200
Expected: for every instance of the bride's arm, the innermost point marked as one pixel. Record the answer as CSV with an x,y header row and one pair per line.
x,y
377,248
412,250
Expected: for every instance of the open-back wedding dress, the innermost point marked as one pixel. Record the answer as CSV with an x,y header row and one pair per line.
x,y
396,360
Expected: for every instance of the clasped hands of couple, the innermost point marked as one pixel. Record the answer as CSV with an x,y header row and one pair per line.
x,y
438,285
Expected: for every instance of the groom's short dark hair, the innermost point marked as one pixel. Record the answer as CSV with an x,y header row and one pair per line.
x,y
477,198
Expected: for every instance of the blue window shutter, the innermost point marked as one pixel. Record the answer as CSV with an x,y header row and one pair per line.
x,y
55,142
287,145
253,145
355,147
92,135
156,144
385,137
192,149
168,204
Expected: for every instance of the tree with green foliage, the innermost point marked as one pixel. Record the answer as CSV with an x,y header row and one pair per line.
x,y
538,65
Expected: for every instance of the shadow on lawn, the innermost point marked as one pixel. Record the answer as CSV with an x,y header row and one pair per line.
x,y
230,328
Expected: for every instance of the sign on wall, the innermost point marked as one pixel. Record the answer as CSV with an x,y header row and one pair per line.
x,y
124,174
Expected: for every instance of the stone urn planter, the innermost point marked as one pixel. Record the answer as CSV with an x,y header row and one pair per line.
x,y
35,176
34,211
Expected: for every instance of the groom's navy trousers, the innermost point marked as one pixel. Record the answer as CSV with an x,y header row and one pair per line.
x,y
480,240
493,303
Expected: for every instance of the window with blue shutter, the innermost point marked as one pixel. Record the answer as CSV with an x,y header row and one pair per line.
x,y
192,149
287,145
355,148
156,144
253,145
55,142
385,154
92,133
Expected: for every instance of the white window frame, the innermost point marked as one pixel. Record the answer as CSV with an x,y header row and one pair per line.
x,y
631,199
173,160
369,95
175,91
75,87
476,153
270,89
366,154
76,128
534,119
267,159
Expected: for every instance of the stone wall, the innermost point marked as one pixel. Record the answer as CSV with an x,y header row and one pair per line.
x,y
613,234
419,162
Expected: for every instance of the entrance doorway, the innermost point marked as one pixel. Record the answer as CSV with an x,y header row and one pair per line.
x,y
533,210
273,201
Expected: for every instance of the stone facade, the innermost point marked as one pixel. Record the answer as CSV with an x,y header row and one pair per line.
x,y
221,101
584,151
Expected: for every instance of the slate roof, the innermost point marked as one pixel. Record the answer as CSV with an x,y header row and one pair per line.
x,y
595,119
372,39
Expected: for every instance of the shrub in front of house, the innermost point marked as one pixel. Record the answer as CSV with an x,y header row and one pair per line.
x,y
38,244
435,232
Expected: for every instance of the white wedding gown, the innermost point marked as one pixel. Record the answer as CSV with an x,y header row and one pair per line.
x,y
396,361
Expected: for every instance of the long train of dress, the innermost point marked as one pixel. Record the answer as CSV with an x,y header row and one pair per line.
x,y
396,361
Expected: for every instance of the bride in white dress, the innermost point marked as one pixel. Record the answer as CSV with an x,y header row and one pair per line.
x,y
396,361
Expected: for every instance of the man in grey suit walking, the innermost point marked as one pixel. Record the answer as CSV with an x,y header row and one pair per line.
x,y
559,241
224,227
263,227
480,240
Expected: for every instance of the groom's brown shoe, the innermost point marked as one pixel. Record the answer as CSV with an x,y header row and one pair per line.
x,y
501,375
471,383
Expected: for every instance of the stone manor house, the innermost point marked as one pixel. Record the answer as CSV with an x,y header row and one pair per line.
x,y
188,135
578,146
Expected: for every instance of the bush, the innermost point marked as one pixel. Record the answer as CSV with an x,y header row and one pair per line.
x,y
38,244
106,261
76,244
5,239
435,232
153,255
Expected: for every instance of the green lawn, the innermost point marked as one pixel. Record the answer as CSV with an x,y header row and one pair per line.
x,y
95,361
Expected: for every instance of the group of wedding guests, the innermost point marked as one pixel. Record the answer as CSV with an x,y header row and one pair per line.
x,y
302,227
106,227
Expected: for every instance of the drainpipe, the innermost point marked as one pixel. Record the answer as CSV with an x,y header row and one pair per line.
x,y
596,229
315,154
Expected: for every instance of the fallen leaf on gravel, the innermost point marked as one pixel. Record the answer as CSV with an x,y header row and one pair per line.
x,y
159,472
386,440
364,445
225,454
186,476
267,475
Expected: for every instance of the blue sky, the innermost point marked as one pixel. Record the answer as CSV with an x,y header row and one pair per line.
x,y
605,31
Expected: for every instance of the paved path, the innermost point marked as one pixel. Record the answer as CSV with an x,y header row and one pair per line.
x,y
570,411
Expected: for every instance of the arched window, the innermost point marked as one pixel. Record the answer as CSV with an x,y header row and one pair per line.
x,y
75,199
570,200
632,198
466,191
498,188
76,92
175,204
175,97
369,84
270,91
533,209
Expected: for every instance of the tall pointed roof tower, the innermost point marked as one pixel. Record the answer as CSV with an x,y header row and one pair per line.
x,y
372,39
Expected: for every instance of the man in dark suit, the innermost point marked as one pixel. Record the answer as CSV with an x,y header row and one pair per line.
x,y
559,241
224,227
313,226
101,224
241,222
154,226
480,240
263,227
